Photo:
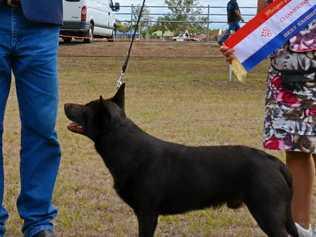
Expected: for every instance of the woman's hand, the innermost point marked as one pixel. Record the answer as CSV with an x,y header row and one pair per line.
x,y
228,53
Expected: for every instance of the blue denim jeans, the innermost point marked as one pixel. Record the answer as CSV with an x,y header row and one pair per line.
x,y
233,26
29,51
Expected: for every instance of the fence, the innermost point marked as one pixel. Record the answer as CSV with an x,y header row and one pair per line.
x,y
210,17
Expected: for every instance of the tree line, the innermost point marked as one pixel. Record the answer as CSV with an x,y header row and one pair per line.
x,y
184,15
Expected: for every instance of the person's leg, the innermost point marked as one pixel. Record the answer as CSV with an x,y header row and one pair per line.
x,y
35,71
224,36
237,26
5,81
234,26
227,33
301,166
231,27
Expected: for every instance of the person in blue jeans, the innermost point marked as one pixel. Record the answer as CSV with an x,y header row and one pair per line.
x,y
29,32
233,19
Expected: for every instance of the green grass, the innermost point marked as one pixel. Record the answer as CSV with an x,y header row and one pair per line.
x,y
187,101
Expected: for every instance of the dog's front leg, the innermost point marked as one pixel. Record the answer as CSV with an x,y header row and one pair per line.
x,y
147,224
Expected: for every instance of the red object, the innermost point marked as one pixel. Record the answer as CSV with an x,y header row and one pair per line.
x,y
84,13
274,144
311,112
288,98
277,82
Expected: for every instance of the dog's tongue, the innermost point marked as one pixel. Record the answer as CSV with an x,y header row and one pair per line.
x,y
76,128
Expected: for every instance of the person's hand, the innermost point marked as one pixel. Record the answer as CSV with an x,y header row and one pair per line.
x,y
228,53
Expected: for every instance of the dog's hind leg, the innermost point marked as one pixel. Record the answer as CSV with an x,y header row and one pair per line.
x,y
146,224
272,226
271,218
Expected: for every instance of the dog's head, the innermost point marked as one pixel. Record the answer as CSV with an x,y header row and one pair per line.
x,y
97,117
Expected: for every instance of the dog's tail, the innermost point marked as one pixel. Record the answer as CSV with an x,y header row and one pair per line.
x,y
290,225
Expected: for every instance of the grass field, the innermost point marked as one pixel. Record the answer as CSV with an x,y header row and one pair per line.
x,y
180,99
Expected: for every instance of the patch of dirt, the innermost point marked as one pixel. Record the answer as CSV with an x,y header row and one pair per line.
x,y
140,49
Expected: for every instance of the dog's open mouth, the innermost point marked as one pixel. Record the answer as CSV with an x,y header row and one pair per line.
x,y
76,128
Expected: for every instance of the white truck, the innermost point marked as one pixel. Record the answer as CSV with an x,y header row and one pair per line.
x,y
88,19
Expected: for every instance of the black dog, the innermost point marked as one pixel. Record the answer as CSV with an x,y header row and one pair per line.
x,y
155,177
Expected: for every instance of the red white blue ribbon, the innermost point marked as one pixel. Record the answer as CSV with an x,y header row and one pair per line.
x,y
270,30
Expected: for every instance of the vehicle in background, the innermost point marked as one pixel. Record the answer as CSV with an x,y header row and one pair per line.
x,y
186,36
88,19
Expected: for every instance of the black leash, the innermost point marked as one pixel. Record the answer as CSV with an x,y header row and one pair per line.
x,y
120,80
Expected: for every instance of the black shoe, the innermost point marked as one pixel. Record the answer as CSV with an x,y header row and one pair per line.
x,y
45,233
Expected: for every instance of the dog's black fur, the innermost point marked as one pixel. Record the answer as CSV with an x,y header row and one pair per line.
x,y
155,177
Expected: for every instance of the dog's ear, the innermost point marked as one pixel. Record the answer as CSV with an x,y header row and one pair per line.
x,y
101,102
119,97
104,111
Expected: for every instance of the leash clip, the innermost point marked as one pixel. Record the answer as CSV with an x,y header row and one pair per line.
x,y
120,80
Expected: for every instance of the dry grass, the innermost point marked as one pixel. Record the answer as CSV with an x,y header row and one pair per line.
x,y
182,100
